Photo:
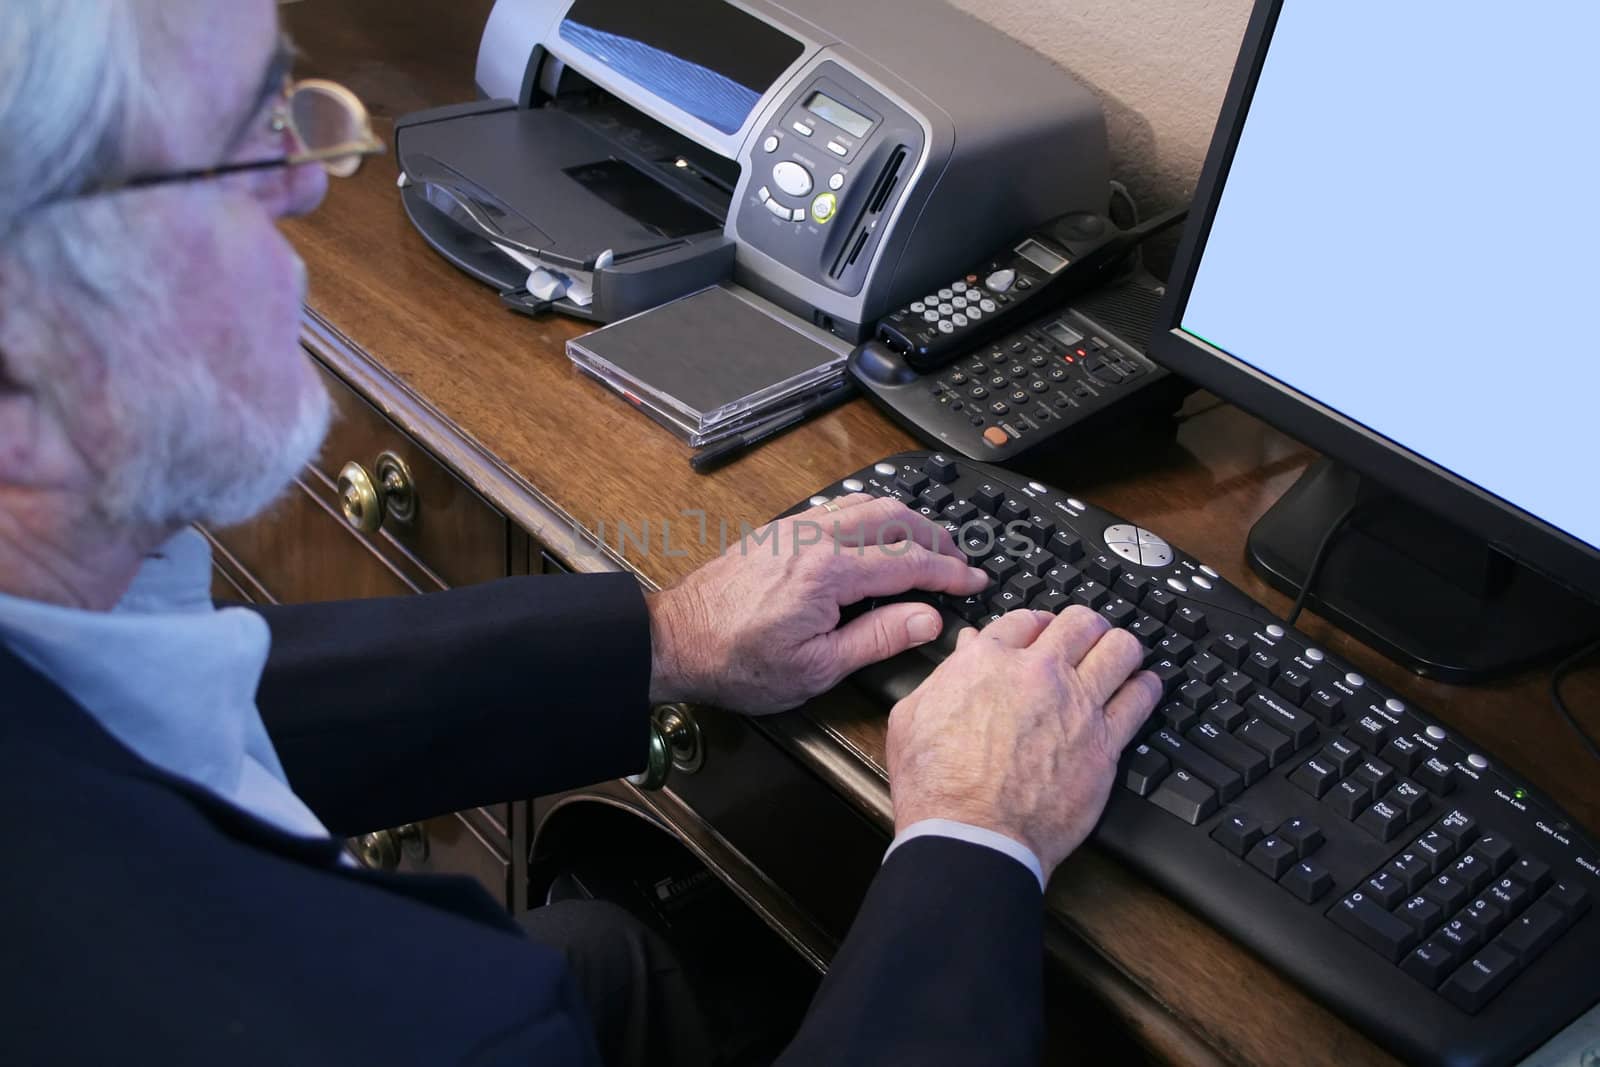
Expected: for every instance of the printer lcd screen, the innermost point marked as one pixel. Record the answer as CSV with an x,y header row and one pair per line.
x,y
705,57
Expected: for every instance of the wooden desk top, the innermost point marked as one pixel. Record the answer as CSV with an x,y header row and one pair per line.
x,y
493,394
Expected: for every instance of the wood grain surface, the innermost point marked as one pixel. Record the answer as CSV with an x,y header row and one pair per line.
x,y
495,396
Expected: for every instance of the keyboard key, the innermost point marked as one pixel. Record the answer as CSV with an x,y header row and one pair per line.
x,y
1066,546
1062,578
1533,932
1484,916
1436,776
1231,648
1431,962
1025,585
1314,776
1496,851
1300,728
1006,600
1349,798
1376,774
1012,507
1293,684
972,608
1370,732
1187,797
960,511
1382,820
1261,666
1118,612
1412,870
1402,752
937,497
1132,586
1049,601
1531,873
1462,938
1179,717
1103,568
1342,753
1226,714
1410,798
1000,566
912,481
1438,849
1372,924
1235,687
1451,894
1385,888
1307,880
1144,770
1471,871
1459,827
1421,914
988,495
1475,984
1249,763
1159,603
940,467
1511,895
1090,595
1304,835
1205,667
1226,781
1148,629
1170,674
1324,706
1176,647
1238,833
1571,898
1036,561
1189,621
1272,856
1197,694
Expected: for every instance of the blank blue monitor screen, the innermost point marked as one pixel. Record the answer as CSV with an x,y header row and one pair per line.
x,y
1408,236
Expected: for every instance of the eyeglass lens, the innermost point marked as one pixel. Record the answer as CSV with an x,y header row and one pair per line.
x,y
324,119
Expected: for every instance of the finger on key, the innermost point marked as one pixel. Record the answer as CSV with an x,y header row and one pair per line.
x,y
1131,705
886,521
1073,633
888,570
1018,629
1110,663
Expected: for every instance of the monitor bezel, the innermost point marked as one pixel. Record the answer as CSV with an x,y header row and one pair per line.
x,y
1530,540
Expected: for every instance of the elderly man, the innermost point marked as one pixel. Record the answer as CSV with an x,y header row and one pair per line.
x,y
172,775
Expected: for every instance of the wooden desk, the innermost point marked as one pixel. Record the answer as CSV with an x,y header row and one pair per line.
x,y
493,396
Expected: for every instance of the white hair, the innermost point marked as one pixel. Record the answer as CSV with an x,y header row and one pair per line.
x,y
82,271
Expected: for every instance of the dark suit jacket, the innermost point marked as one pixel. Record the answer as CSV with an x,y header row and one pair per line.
x,y
146,921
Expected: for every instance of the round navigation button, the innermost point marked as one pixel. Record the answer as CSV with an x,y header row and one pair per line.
x,y
770,144
1120,534
1126,549
853,484
1477,762
1155,554
1436,733
792,178
885,469
1000,281
836,182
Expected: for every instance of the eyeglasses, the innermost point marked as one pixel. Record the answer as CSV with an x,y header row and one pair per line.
x,y
328,123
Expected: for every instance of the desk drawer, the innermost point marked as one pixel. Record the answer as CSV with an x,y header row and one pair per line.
x,y
451,531
466,842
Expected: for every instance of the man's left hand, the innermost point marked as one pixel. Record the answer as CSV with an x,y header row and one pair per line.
x,y
757,629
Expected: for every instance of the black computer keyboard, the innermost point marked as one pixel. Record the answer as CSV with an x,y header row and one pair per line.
x,y
1377,857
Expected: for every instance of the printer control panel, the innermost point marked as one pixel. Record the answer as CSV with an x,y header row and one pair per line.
x,y
825,173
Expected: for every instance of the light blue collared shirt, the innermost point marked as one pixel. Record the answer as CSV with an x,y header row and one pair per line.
x,y
171,677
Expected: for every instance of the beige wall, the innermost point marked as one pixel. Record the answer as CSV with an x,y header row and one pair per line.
x,y
1160,67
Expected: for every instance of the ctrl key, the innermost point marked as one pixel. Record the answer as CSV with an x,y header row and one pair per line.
x,y
1187,797
1475,984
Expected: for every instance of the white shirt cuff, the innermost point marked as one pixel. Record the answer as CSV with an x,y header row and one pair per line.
x,y
974,835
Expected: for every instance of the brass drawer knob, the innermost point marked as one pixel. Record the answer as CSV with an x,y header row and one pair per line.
x,y
382,850
675,743
367,500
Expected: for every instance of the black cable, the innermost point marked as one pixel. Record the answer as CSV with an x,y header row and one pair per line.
x,y
1561,671
1316,562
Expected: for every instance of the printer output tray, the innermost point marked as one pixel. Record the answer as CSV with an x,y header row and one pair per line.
x,y
552,182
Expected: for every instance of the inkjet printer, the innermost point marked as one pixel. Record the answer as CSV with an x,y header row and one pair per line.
x,y
833,156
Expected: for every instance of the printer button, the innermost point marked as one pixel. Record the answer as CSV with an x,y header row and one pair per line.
x,y
792,178
797,215
778,210
836,182
770,144
764,193
838,149
802,129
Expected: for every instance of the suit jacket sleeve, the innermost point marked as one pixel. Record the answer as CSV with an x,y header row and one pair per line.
x,y
389,710
943,965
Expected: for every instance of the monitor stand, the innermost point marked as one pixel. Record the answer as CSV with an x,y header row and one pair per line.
x,y
1418,589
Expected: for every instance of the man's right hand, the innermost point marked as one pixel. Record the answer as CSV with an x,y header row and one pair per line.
x,y
1019,730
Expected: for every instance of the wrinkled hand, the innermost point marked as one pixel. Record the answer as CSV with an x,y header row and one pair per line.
x,y
757,629
1019,730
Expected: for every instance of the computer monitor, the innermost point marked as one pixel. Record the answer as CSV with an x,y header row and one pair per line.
x,y
1392,258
